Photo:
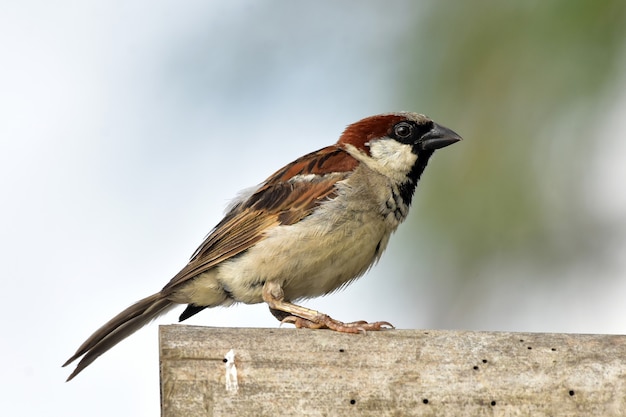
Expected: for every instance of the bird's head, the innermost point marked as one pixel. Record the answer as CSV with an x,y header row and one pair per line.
x,y
397,145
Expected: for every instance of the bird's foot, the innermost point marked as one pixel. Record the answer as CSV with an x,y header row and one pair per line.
x,y
322,321
303,317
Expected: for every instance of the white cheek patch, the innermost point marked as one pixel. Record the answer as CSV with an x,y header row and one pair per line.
x,y
392,158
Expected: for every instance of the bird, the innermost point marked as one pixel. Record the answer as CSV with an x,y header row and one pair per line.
x,y
311,228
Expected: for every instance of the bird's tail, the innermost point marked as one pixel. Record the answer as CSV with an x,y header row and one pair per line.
x,y
119,328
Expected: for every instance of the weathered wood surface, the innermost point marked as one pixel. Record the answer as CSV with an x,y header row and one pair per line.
x,y
282,372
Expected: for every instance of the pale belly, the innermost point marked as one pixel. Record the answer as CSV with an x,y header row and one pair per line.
x,y
306,261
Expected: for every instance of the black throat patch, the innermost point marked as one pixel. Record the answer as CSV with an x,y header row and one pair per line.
x,y
407,188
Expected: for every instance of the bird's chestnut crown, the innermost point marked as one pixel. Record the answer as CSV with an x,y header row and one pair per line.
x,y
409,128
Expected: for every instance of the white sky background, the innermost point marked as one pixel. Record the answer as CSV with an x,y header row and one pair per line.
x,y
125,129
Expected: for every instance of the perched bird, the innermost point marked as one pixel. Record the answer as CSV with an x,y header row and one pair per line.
x,y
312,227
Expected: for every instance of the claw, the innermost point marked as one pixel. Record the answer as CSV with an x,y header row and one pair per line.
x,y
300,317
300,323
288,320
326,322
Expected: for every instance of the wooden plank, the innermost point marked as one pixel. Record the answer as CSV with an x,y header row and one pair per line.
x,y
281,372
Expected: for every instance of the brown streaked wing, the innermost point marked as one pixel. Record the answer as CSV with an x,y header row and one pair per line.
x,y
283,200
227,240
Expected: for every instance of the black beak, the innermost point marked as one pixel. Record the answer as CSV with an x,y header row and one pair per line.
x,y
438,137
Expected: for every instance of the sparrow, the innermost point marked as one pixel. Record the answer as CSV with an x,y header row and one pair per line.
x,y
311,228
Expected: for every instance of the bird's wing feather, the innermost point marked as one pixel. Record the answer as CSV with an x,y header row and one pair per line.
x,y
288,196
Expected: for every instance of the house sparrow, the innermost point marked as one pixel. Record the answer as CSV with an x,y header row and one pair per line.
x,y
312,227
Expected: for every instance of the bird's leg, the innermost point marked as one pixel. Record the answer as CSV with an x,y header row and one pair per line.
x,y
300,316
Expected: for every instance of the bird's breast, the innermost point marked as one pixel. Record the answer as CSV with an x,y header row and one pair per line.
x,y
315,256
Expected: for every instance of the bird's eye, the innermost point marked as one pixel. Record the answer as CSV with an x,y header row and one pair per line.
x,y
403,130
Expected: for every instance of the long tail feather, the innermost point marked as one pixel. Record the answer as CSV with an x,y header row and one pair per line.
x,y
117,329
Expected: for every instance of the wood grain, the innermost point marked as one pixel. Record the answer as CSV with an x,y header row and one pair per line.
x,y
282,372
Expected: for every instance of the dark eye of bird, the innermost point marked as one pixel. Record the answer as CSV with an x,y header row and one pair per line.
x,y
403,130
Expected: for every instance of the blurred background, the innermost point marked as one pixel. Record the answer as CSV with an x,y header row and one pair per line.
x,y
126,127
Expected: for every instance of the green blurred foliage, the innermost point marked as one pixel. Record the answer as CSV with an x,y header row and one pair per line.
x,y
525,84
